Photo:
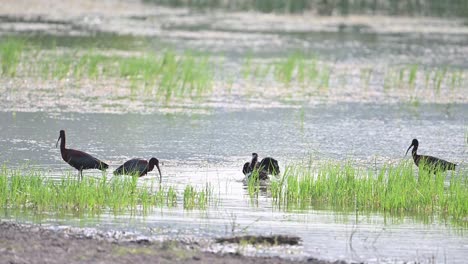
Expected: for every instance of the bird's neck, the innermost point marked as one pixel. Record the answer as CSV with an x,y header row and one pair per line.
x,y
414,153
252,163
62,144
150,166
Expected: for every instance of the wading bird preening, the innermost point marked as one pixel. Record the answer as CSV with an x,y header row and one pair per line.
x,y
431,163
79,159
265,167
138,167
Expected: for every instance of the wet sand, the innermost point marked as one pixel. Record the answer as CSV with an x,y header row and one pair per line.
x,y
35,244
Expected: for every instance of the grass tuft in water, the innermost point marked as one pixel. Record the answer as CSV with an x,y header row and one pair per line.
x,y
32,190
197,199
10,55
162,76
296,68
392,189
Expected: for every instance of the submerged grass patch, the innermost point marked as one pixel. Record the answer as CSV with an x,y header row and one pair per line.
x,y
162,76
197,198
118,195
10,55
409,76
396,190
165,75
296,68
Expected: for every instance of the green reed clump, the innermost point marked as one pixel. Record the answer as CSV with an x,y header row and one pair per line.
x,y
31,190
91,65
434,78
186,75
439,77
165,75
10,55
287,68
253,184
195,198
413,71
296,68
393,189
365,77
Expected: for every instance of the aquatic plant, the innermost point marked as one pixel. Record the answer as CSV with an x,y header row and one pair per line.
x,y
366,74
194,198
32,190
163,76
393,189
253,184
10,55
413,70
439,77
436,78
286,69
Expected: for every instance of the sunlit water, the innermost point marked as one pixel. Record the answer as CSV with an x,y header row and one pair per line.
x,y
211,148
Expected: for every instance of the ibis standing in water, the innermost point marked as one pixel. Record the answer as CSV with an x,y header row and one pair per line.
x,y
79,159
265,167
431,163
138,167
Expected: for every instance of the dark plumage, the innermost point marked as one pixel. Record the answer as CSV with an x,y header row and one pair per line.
x,y
79,159
431,163
265,167
138,167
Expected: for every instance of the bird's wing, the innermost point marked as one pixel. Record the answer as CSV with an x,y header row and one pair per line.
x,y
434,162
246,168
269,164
134,166
82,160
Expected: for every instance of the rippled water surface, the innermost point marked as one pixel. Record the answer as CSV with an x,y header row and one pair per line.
x,y
212,148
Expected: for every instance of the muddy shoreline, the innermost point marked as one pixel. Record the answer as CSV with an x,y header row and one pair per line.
x,y
25,243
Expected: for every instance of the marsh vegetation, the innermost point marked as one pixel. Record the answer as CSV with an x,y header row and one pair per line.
x,y
31,189
167,75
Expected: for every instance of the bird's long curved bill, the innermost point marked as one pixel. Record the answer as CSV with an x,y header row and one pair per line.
x,y
56,144
408,149
160,176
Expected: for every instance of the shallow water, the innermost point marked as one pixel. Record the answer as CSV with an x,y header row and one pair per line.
x,y
211,148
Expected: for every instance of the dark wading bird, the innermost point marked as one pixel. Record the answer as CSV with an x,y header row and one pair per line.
x,y
138,167
79,159
431,163
265,167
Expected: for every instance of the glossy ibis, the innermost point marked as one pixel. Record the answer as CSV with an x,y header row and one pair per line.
x,y
79,159
431,163
265,167
250,166
138,167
